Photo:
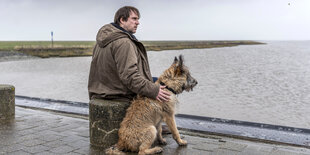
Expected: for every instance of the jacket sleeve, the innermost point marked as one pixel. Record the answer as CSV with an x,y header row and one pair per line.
x,y
127,66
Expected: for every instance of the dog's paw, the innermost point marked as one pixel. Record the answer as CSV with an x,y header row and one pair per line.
x,y
158,150
162,141
182,142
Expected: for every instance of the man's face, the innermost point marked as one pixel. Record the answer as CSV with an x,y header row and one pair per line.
x,y
131,24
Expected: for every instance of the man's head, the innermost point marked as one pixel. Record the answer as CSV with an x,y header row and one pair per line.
x,y
127,17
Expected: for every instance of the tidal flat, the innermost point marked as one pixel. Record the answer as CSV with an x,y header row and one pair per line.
x,y
46,49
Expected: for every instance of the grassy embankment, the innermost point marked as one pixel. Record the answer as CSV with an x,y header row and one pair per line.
x,y
44,49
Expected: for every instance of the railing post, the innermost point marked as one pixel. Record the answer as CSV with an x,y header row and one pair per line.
x,y
7,102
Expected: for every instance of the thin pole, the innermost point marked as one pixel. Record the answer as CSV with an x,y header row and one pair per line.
x,y
52,39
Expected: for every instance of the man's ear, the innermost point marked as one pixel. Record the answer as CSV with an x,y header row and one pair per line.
x,y
121,20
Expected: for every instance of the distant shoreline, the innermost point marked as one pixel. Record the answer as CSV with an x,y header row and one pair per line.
x,y
45,49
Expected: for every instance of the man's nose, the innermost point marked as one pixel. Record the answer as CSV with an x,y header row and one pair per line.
x,y
137,22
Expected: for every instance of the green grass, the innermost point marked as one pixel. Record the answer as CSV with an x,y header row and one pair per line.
x,y
13,45
175,45
45,49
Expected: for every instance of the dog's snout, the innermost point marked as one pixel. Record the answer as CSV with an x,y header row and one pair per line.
x,y
194,81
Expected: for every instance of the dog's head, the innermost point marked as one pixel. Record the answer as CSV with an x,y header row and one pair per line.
x,y
178,77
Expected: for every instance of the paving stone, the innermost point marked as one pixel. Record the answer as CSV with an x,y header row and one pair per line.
x,y
33,142
49,138
20,126
233,146
62,149
71,138
28,137
194,141
45,153
34,119
36,149
48,132
213,141
20,152
251,150
224,152
5,142
82,151
54,124
12,148
62,128
283,152
206,147
73,153
267,150
199,140
79,143
184,151
196,152
41,128
54,144
70,133
84,134
294,149
26,132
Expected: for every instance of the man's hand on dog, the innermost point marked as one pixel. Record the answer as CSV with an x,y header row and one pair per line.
x,y
163,95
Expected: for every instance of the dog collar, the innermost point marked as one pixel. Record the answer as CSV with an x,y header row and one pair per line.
x,y
170,89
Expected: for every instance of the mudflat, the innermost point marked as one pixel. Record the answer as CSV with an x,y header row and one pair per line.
x,y
46,49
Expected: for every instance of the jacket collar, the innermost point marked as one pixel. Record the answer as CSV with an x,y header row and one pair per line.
x,y
117,26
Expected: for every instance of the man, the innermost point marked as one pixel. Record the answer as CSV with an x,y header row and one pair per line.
x,y
120,68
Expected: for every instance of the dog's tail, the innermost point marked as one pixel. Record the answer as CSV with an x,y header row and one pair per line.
x,y
114,150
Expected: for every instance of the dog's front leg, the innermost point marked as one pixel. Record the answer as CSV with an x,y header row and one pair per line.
x,y
161,140
170,120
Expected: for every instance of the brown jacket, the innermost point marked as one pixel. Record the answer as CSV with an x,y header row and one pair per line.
x,y
119,69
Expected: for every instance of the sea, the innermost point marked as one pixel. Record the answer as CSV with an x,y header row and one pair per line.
x,y
266,83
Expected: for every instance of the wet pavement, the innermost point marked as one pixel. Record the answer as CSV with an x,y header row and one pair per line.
x,y
207,125
46,132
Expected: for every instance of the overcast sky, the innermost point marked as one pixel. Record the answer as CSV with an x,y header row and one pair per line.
x,y
160,19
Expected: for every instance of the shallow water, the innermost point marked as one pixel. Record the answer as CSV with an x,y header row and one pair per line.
x,y
258,83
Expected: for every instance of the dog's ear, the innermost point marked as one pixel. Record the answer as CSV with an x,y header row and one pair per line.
x,y
175,60
181,60
178,65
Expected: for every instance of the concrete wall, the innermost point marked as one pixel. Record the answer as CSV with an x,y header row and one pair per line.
x,y
105,117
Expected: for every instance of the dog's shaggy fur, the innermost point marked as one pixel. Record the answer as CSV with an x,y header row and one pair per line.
x,y
142,123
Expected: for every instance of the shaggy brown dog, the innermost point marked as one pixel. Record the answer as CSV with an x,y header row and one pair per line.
x,y
142,123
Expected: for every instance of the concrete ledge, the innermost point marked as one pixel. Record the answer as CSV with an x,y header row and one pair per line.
x,y
7,102
105,117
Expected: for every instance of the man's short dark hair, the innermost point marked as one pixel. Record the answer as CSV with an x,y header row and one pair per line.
x,y
124,13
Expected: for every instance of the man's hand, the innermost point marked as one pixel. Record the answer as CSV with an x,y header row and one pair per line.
x,y
162,95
